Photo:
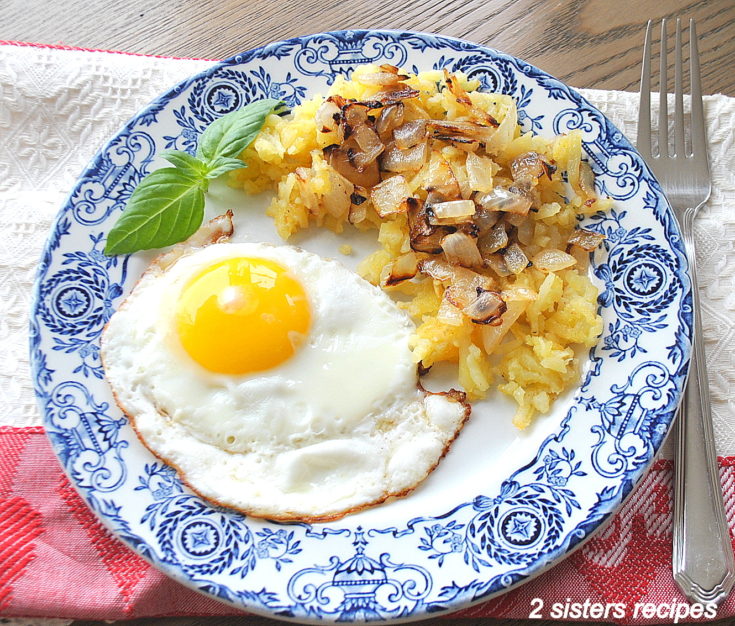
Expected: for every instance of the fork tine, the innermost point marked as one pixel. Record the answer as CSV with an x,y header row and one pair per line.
x,y
663,105
699,141
678,97
643,140
679,149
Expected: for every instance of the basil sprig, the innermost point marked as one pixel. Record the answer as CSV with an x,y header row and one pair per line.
x,y
167,206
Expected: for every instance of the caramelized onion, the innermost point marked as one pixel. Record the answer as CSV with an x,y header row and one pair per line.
x,y
460,131
341,158
409,134
461,249
530,165
449,314
501,199
585,239
587,179
496,239
440,178
525,230
354,114
492,335
391,96
337,200
487,308
327,117
452,212
479,173
485,220
515,259
382,78
496,263
396,160
403,268
463,98
552,260
390,117
388,197
466,280
370,146
424,237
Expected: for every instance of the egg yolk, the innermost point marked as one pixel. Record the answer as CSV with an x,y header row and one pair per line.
x,y
242,315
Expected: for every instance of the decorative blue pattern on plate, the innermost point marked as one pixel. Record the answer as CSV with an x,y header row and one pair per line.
x,y
374,565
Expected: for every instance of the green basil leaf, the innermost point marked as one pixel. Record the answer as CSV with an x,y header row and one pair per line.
x,y
229,135
224,164
166,207
185,162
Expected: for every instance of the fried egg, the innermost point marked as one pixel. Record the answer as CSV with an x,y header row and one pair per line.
x,y
276,382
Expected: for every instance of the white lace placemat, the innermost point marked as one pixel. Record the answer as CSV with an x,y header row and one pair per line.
x,y
57,107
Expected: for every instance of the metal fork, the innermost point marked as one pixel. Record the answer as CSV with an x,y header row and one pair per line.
x,y
703,563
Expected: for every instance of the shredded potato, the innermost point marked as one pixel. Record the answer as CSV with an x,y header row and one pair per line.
x,y
334,156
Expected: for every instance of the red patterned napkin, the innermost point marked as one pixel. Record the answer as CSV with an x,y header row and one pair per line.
x,y
57,560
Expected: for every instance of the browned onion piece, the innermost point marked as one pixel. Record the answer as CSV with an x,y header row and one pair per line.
x,y
390,117
487,308
403,268
469,299
440,179
456,90
452,212
479,173
485,220
396,160
359,205
429,242
390,96
515,259
463,98
461,130
496,263
341,158
465,280
337,200
409,134
354,114
525,231
585,239
449,314
552,260
501,199
423,236
327,116
496,239
384,78
587,179
514,219
340,101
370,146
388,197
461,249
530,165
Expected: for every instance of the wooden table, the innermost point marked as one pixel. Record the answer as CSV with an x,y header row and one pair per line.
x,y
593,43
586,43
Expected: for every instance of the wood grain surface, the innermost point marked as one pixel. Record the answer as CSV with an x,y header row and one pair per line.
x,y
586,43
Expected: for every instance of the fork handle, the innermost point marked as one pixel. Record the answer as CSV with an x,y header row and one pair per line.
x,y
703,563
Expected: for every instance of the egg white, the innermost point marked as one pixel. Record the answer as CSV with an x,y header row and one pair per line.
x,y
337,427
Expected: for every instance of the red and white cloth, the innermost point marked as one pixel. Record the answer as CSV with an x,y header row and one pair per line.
x,y
57,106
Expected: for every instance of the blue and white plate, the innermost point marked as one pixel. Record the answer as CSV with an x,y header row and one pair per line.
x,y
503,505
